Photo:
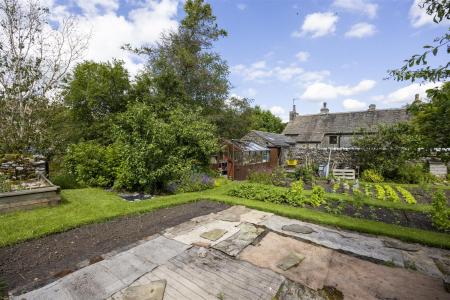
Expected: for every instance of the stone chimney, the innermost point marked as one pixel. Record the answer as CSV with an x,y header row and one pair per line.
x,y
372,107
324,109
416,97
293,113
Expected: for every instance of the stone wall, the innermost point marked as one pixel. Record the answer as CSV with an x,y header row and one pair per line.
x,y
22,167
340,158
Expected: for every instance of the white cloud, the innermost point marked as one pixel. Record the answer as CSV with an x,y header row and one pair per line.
x,y
360,30
302,56
255,71
280,112
241,6
406,94
313,76
259,71
287,73
360,6
318,25
319,91
109,30
352,104
95,7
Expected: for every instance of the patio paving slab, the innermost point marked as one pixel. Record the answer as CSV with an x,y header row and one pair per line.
x,y
358,244
238,241
274,247
194,236
354,277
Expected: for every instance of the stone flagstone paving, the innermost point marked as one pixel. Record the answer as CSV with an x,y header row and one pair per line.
x,y
244,263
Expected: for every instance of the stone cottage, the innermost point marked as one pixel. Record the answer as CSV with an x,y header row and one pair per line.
x,y
336,130
326,134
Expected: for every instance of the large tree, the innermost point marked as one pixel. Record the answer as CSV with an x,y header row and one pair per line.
x,y
94,93
182,67
34,57
431,120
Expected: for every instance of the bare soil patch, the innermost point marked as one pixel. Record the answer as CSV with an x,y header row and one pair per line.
x,y
37,262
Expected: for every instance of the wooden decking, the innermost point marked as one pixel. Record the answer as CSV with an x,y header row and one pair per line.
x,y
214,276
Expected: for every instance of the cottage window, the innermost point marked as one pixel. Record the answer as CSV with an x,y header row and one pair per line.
x,y
333,139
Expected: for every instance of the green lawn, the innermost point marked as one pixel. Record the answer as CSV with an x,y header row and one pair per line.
x,y
84,206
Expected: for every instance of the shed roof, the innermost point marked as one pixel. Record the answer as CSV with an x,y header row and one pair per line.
x,y
312,128
275,139
248,146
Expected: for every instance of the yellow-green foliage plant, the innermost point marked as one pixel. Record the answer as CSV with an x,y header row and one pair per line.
x,y
409,198
391,195
317,196
368,190
336,186
380,192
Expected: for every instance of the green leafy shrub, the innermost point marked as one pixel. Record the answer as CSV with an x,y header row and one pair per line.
x,y
440,213
91,164
317,196
261,192
371,175
414,173
305,173
262,177
380,192
391,195
191,182
65,181
409,198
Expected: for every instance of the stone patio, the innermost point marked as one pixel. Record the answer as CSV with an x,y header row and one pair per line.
x,y
241,253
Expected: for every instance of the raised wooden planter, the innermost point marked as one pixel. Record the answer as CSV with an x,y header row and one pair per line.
x,y
27,199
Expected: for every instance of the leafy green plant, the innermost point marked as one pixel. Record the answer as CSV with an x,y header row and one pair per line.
x,y
65,181
296,196
357,194
409,198
279,177
371,175
317,196
367,190
261,192
391,195
440,212
380,192
414,173
262,177
91,163
305,173
336,186
191,182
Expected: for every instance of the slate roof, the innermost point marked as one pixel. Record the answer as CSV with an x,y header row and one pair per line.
x,y
275,139
312,128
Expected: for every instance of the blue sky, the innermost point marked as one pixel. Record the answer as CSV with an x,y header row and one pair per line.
x,y
336,51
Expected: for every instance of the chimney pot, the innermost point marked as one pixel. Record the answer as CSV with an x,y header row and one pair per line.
x,y
324,109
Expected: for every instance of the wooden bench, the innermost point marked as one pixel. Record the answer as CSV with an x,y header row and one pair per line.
x,y
344,173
